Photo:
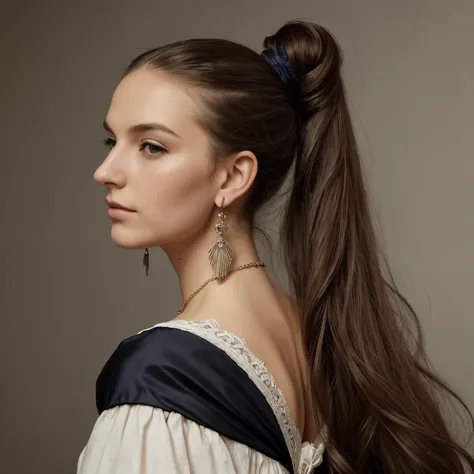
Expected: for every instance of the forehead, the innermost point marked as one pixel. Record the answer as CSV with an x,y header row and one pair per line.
x,y
147,95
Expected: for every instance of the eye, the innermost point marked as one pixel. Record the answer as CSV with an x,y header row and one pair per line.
x,y
153,149
108,143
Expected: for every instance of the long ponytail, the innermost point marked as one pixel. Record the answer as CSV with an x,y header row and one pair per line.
x,y
372,393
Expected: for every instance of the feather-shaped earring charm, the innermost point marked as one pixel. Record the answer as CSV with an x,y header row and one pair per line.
x,y
146,261
220,254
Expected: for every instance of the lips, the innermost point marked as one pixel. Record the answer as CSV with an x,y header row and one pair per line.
x,y
116,205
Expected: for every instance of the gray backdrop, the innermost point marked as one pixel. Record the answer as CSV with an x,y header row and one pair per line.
x,y
68,295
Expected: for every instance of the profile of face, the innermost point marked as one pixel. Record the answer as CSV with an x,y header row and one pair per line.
x,y
159,164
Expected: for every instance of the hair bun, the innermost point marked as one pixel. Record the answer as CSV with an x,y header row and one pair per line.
x,y
316,60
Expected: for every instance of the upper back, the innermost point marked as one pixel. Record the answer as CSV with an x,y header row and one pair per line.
x,y
270,329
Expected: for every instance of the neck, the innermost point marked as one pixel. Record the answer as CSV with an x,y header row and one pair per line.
x,y
190,259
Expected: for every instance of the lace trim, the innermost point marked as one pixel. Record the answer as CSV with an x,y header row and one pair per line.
x,y
238,350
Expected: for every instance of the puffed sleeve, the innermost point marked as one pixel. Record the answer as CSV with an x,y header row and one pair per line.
x,y
139,439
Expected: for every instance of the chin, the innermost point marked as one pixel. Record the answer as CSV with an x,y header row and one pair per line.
x,y
126,239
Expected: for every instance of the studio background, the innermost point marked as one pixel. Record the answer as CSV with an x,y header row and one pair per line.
x,y
69,295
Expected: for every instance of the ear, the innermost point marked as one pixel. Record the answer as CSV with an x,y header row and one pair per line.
x,y
237,176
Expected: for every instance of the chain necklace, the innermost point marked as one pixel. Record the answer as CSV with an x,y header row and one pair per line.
x,y
259,263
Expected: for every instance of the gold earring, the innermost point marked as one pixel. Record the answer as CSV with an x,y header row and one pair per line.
x,y
146,261
220,254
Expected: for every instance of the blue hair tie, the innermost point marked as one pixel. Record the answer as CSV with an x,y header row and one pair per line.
x,y
279,61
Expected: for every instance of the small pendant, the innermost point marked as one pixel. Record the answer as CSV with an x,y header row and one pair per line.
x,y
146,261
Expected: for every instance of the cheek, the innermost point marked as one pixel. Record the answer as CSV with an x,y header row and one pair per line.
x,y
181,202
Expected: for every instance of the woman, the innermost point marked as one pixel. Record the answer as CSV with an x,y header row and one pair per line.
x,y
246,378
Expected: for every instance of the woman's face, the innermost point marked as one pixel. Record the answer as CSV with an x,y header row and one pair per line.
x,y
164,174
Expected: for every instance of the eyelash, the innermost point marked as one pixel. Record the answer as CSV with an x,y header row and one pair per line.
x,y
109,144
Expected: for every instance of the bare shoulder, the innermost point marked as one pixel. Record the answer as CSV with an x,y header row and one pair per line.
x,y
272,334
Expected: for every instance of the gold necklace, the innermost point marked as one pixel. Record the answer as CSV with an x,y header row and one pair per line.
x,y
258,263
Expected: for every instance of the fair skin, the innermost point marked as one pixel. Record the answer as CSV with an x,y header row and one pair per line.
x,y
174,189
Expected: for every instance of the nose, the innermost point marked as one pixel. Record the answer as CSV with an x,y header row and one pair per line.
x,y
110,173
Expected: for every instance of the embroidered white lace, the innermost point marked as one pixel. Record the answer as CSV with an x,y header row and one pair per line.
x,y
305,456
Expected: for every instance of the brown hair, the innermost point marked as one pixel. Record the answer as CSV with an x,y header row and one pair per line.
x,y
377,398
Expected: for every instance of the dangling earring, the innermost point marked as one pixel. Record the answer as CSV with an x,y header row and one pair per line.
x,y
146,261
220,254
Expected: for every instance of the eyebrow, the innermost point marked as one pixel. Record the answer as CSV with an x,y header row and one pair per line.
x,y
144,127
